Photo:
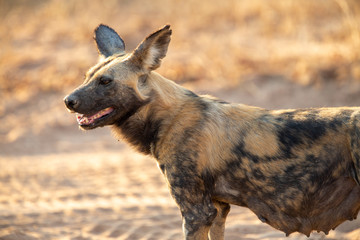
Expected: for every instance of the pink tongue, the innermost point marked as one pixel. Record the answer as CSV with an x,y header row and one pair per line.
x,y
82,120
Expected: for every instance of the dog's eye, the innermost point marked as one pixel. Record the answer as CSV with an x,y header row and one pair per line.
x,y
105,80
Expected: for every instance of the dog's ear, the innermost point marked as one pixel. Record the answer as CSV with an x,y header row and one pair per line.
x,y
108,41
147,56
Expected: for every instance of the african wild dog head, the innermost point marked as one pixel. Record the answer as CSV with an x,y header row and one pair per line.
x,y
116,87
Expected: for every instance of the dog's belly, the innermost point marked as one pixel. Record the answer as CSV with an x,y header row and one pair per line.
x,y
326,209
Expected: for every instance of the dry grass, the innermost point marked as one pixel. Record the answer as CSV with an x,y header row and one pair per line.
x,y
47,45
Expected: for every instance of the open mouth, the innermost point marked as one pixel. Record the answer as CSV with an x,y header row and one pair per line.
x,y
85,121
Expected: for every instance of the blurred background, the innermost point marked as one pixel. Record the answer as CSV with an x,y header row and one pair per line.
x,y
57,182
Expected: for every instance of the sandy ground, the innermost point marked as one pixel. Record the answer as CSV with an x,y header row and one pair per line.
x,y
57,182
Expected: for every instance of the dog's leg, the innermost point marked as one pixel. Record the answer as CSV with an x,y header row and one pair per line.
x,y
217,229
197,221
198,216
195,203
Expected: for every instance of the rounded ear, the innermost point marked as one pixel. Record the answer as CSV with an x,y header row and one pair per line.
x,y
108,42
147,56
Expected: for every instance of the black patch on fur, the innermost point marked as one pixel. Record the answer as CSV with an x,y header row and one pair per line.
x,y
209,180
262,219
354,174
191,94
194,95
290,169
240,152
200,102
185,161
203,106
295,132
258,175
162,168
142,134
221,101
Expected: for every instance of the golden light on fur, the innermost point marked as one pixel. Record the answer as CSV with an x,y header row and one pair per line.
x,y
297,170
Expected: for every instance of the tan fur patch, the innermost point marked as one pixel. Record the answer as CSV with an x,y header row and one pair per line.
x,y
263,143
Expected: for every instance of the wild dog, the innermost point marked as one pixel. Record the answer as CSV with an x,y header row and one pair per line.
x,y
297,170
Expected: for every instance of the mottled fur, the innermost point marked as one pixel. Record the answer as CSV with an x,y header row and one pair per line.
x,y
297,170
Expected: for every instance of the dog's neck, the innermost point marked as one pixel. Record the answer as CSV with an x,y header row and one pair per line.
x,y
166,100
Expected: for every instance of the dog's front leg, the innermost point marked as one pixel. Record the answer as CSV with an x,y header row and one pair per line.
x,y
197,220
197,209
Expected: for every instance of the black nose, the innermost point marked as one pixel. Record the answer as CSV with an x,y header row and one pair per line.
x,y
71,102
